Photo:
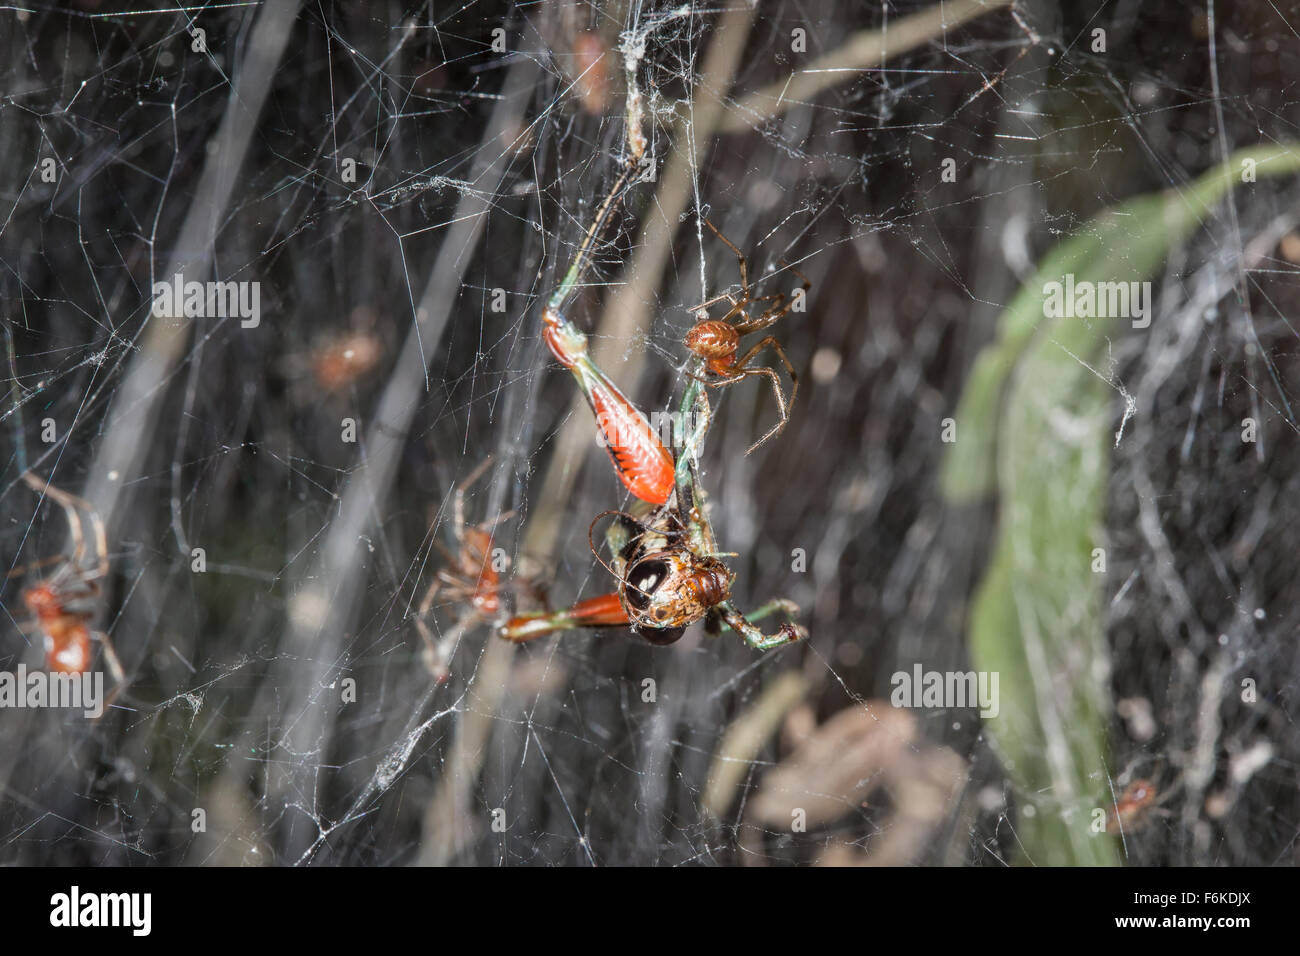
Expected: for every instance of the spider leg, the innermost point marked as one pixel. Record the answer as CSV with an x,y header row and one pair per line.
x,y
101,545
743,369
72,596
446,552
114,668
458,514
430,653
476,474
763,319
427,601
438,650
504,516
470,552
72,507
437,653
32,566
708,379
744,362
740,261
716,299
779,308
782,407
535,590
737,305
458,501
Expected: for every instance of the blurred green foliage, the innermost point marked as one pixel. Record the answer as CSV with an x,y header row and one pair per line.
x,y
1034,429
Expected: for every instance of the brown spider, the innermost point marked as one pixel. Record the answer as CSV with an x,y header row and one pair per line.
x,y
1134,807
469,578
717,341
61,601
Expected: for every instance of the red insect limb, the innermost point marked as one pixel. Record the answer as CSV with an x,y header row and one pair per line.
x,y
565,342
642,463
604,610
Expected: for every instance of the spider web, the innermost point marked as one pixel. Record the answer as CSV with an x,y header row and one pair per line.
x,y
407,187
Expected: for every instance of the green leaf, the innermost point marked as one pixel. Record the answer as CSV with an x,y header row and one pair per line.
x,y
1033,429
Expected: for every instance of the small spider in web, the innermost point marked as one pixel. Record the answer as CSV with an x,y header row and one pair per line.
x,y
1134,807
717,341
472,577
63,602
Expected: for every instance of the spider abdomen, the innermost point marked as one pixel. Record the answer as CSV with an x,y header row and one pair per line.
x,y
67,639
714,340
67,649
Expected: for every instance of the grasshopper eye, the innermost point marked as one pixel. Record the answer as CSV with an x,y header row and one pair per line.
x,y
659,636
643,579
